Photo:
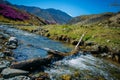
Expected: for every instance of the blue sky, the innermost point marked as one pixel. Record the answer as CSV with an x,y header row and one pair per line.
x,y
74,7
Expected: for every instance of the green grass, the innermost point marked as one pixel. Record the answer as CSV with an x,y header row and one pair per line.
x,y
27,28
99,34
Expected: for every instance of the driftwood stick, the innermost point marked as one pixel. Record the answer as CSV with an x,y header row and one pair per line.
x,y
76,50
79,41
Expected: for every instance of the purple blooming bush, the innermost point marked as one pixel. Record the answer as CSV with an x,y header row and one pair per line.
x,y
11,13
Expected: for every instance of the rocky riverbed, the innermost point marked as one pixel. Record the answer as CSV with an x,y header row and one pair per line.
x,y
7,45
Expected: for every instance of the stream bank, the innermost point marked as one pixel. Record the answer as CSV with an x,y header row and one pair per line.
x,y
105,51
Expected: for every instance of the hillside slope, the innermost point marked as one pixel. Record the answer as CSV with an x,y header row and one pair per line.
x,y
37,11
9,14
59,16
50,15
105,19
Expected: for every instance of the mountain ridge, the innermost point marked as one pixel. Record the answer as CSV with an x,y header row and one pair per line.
x,y
109,19
50,14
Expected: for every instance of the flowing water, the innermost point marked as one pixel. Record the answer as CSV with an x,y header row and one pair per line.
x,y
80,67
31,45
87,67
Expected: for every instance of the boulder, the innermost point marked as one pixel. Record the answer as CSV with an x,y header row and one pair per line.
x,y
47,34
12,46
68,40
64,38
13,39
9,73
97,49
104,55
116,56
89,43
60,37
4,64
103,49
74,42
12,43
109,56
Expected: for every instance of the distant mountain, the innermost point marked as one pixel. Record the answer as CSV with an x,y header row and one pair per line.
x,y
36,11
4,2
90,19
59,16
50,15
9,14
109,19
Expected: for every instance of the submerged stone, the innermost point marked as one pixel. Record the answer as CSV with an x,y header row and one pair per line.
x,y
8,72
4,64
18,78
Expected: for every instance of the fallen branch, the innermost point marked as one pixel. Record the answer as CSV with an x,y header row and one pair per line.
x,y
32,63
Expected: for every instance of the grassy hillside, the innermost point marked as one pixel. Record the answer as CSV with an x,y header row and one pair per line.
x,y
89,19
11,15
98,34
104,19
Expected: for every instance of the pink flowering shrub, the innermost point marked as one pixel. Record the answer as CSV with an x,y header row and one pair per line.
x,y
11,13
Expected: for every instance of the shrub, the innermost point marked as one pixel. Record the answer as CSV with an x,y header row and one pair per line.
x,y
11,13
